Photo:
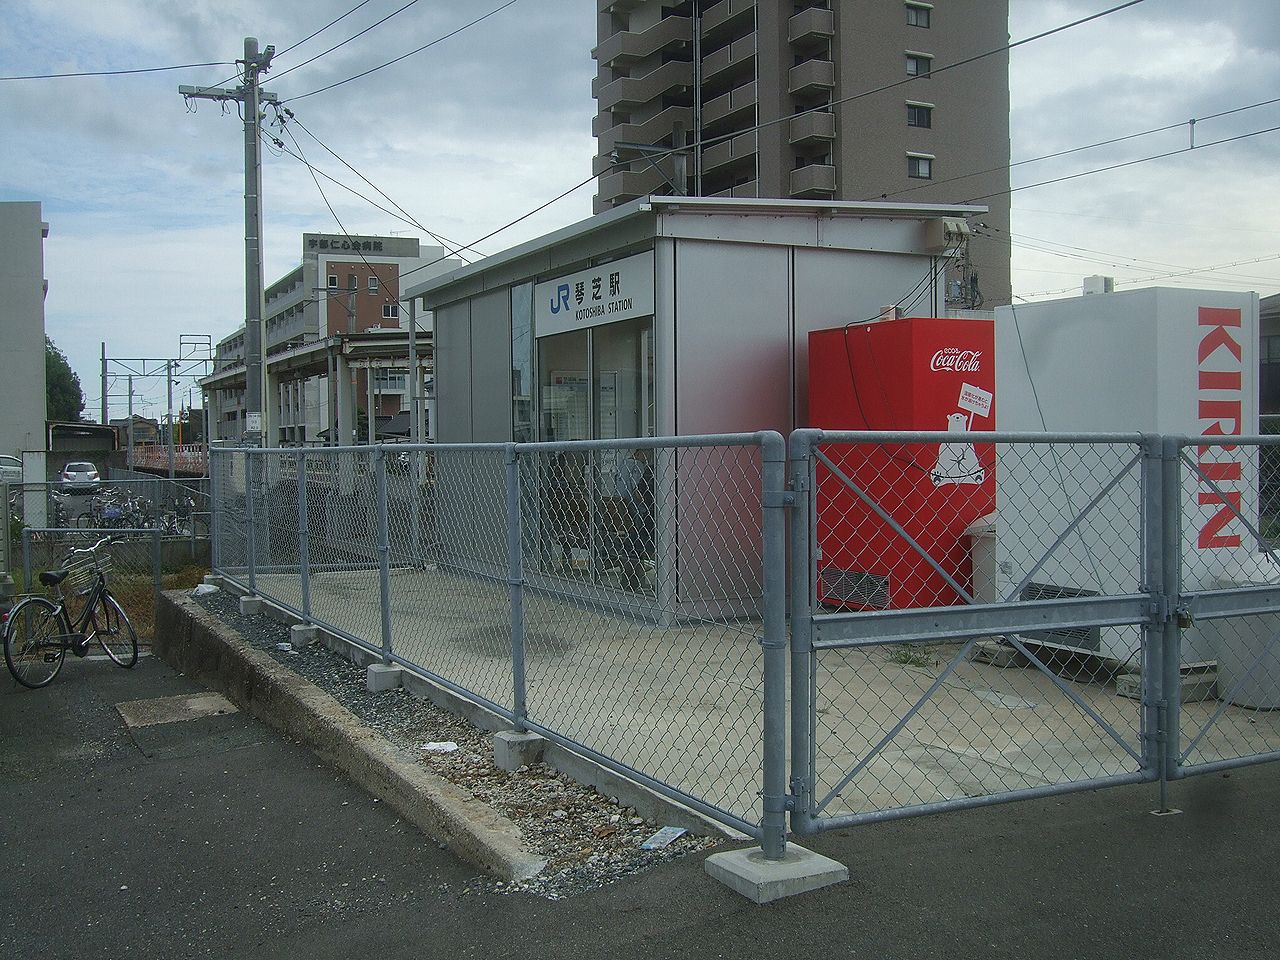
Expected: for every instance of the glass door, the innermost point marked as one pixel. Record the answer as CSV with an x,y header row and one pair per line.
x,y
597,510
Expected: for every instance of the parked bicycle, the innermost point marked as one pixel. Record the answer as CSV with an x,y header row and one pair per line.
x,y
107,512
39,631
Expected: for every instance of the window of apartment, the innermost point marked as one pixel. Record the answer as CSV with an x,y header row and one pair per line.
x,y
918,15
919,114
920,166
333,281
919,64
373,282
390,311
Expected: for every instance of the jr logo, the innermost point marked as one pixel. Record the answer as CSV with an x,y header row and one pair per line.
x,y
561,300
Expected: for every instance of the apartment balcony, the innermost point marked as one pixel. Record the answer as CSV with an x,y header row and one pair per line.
x,y
749,189
812,127
653,130
726,15
738,150
738,55
812,25
676,32
811,77
618,6
729,106
815,180
624,185
634,91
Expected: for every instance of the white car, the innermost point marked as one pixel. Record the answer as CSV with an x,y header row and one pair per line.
x,y
80,477
10,469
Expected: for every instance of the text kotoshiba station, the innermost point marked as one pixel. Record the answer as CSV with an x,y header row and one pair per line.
x,y
619,290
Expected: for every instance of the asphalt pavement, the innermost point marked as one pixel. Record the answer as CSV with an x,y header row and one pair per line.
x,y
214,837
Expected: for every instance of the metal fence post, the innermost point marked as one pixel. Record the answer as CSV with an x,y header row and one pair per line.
x,y
515,581
1151,634
384,551
415,506
1171,675
800,451
250,534
157,564
26,560
214,504
776,499
304,537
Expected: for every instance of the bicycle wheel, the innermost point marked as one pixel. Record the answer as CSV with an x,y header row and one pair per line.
x,y
85,521
33,647
114,631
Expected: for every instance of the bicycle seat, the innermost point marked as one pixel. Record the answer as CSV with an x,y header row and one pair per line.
x,y
51,578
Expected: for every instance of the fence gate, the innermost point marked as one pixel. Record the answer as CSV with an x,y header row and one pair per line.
x,y
946,653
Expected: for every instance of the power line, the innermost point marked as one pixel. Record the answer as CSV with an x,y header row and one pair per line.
x,y
1126,163
348,40
331,23
1088,146
443,241
826,107
1165,276
118,73
432,43
508,226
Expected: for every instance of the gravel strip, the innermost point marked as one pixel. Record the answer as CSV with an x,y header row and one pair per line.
x,y
589,839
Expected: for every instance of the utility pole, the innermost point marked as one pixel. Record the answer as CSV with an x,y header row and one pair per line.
x,y
106,411
129,428
251,97
169,380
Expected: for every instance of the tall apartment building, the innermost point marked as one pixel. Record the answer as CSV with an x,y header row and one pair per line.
x,y
22,361
774,87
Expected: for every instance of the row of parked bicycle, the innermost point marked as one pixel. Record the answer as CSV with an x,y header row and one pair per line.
x,y
114,509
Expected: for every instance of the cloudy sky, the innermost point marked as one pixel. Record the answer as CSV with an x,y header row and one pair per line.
x,y
144,197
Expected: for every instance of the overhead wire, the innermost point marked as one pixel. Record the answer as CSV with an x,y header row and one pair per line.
x,y
1126,163
1088,146
408,217
1164,276
354,36
388,63
117,73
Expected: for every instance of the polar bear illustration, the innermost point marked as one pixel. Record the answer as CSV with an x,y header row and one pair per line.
x,y
957,462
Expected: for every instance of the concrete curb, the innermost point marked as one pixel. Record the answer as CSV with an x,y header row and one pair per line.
x,y
197,644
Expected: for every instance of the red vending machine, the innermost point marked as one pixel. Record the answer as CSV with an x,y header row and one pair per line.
x,y
912,373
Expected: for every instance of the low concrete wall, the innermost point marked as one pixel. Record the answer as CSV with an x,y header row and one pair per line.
x,y
197,644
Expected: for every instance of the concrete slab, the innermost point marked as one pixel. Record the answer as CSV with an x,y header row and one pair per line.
x,y
381,676
763,881
512,750
145,713
302,635
250,606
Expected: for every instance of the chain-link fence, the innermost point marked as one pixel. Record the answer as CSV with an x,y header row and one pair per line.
x,y
178,509
609,595
974,617
141,564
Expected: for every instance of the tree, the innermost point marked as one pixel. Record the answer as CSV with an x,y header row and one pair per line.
x,y
63,397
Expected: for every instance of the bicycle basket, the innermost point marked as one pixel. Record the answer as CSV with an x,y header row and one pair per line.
x,y
83,568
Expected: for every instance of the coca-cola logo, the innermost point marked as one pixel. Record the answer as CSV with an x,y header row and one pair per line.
x,y
956,360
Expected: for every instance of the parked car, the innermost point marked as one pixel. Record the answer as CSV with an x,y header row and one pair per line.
x,y
10,469
80,477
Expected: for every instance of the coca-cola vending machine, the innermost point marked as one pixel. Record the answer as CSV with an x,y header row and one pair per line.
x,y
897,504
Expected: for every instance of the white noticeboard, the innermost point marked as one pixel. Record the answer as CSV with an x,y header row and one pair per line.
x,y
975,400
253,423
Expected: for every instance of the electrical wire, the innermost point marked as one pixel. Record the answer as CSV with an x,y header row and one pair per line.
x,y
355,36
432,43
1164,276
442,240
1127,163
826,107
1088,146
331,23
117,73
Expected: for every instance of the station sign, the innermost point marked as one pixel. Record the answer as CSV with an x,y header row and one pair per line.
x,y
608,293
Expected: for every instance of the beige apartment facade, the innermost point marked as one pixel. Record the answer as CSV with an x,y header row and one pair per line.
x,y
789,100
